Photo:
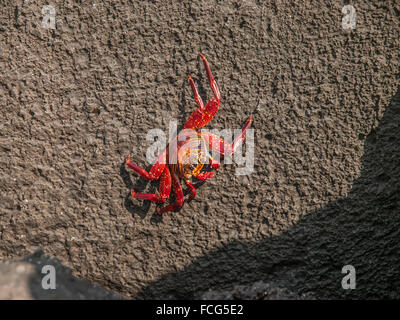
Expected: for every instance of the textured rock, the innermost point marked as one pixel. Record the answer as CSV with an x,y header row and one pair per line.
x,y
76,100
257,291
21,279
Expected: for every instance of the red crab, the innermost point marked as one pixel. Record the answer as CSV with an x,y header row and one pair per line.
x,y
187,154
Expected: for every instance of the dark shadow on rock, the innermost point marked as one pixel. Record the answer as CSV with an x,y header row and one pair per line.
x,y
362,229
139,186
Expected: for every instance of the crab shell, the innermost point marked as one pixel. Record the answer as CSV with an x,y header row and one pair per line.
x,y
188,153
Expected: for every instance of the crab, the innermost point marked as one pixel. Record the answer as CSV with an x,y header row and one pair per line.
x,y
188,153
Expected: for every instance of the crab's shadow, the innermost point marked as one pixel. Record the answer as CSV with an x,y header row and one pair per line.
x,y
139,186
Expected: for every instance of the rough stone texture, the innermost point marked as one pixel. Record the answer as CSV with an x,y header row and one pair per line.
x,y
22,280
257,291
325,188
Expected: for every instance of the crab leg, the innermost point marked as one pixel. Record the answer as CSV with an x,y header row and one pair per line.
x,y
197,97
164,189
221,146
203,115
207,175
178,196
155,171
210,77
192,190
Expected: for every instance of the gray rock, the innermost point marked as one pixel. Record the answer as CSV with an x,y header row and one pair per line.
x,y
258,291
21,279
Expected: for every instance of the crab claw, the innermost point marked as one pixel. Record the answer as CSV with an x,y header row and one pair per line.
x,y
205,175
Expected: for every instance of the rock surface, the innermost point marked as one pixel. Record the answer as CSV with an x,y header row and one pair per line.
x,y
324,192
257,291
21,279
